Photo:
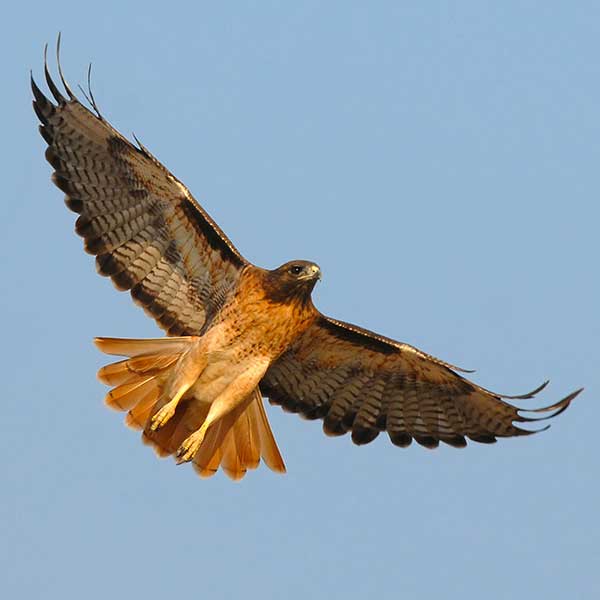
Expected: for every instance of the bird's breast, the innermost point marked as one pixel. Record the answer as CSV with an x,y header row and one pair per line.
x,y
254,326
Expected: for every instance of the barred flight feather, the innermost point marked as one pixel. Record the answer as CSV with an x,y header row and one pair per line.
x,y
383,385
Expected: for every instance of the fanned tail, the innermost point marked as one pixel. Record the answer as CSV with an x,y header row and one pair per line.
x,y
141,383
138,380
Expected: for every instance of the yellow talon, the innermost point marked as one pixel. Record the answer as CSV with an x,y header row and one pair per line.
x,y
163,416
190,446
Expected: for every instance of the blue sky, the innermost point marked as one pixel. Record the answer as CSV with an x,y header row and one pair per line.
x,y
440,162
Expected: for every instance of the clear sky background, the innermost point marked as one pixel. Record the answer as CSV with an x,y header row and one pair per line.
x,y
440,161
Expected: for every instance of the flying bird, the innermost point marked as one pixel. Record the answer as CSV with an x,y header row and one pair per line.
x,y
237,333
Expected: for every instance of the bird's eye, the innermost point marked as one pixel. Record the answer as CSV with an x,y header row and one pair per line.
x,y
296,270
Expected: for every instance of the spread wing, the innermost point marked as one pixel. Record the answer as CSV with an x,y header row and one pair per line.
x,y
146,230
358,381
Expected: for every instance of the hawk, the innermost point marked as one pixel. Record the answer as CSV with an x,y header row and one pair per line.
x,y
237,333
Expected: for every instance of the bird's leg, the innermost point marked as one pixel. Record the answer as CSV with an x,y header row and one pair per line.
x,y
187,370
163,416
191,445
224,404
236,397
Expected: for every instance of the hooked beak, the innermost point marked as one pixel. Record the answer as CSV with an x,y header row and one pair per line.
x,y
312,272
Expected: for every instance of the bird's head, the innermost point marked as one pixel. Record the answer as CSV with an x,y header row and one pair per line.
x,y
293,280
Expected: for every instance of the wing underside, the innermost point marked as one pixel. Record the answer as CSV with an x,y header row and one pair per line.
x,y
146,230
363,383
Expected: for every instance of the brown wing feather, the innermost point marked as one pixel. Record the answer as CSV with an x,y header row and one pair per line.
x,y
361,382
148,233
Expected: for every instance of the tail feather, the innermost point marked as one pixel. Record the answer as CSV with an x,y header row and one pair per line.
x,y
126,396
138,416
128,370
268,445
236,442
232,462
247,439
136,347
139,379
205,460
116,373
211,467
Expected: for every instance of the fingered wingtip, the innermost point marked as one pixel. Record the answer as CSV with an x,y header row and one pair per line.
x,y
60,72
558,408
50,82
34,87
541,429
527,395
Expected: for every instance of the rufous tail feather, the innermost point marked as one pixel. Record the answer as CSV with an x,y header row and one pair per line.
x,y
236,442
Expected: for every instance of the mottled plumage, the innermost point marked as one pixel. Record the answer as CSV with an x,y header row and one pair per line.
x,y
238,332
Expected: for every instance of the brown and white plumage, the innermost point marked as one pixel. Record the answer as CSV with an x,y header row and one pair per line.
x,y
238,332
363,383
146,230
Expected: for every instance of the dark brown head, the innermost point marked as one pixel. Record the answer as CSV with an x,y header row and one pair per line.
x,y
294,280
